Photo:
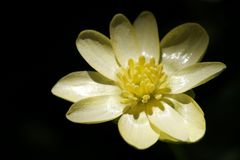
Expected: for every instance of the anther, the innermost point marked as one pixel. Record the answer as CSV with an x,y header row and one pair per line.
x,y
130,63
158,96
141,60
152,61
145,98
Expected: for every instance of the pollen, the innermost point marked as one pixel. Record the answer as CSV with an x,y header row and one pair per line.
x,y
142,81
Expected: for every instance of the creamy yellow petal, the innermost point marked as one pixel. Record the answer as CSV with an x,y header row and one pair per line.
x,y
194,76
183,46
168,121
179,117
137,131
166,138
123,38
97,50
95,109
163,136
192,115
79,85
147,35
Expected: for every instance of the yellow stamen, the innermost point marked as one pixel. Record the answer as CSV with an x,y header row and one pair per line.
x,y
145,98
142,81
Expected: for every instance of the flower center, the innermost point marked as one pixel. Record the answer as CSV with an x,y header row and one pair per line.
x,y
142,81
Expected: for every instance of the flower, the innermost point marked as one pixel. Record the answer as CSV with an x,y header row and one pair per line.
x,y
141,81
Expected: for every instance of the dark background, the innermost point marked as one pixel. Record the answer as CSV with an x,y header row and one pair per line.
x,y
42,50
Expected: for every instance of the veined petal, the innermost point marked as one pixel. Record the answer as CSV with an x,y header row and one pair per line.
x,y
79,85
97,50
123,38
95,109
147,35
180,117
194,76
183,46
136,130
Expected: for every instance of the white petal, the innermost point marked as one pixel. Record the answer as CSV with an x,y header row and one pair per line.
x,y
97,50
95,109
137,130
147,35
194,76
183,120
183,46
79,85
123,38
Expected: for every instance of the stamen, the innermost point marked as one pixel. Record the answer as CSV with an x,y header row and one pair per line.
x,y
158,96
145,98
152,61
141,60
130,63
142,81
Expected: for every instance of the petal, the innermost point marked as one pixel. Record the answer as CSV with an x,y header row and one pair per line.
x,y
96,49
79,85
194,76
147,35
183,46
136,130
123,38
165,137
179,117
95,109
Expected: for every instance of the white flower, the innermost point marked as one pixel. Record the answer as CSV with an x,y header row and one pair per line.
x,y
141,80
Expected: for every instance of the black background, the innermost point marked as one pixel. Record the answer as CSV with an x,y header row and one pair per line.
x,y
42,50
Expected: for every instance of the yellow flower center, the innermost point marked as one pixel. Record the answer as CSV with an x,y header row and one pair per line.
x,y
142,81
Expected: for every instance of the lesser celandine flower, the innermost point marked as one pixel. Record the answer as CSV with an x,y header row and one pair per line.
x,y
141,81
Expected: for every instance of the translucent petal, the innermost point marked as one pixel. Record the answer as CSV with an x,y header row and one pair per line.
x,y
123,38
136,130
179,117
79,85
147,35
95,109
183,46
194,76
97,50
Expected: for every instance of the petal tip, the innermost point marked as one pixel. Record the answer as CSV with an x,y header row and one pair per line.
x,y
85,34
221,66
69,116
54,90
224,66
57,91
146,12
200,27
118,18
